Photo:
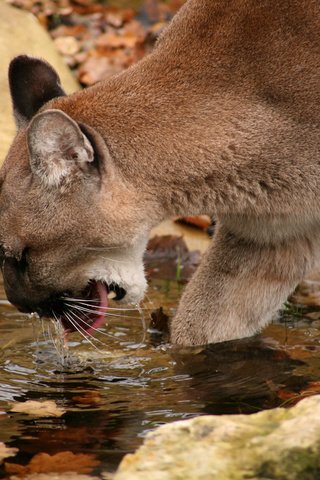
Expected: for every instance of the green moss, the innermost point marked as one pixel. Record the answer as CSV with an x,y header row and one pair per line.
x,y
297,464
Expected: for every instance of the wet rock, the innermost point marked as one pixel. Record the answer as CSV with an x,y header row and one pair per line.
x,y
282,444
20,32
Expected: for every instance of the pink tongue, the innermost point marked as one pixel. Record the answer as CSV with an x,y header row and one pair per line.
x,y
102,308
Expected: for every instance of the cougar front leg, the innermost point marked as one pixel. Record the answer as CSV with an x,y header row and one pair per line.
x,y
237,288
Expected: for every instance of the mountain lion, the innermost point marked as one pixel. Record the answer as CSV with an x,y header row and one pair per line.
x,y
222,118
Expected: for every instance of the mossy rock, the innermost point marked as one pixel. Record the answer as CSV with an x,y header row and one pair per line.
x,y
278,444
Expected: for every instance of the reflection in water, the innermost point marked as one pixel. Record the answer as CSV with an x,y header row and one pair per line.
x,y
136,381
241,376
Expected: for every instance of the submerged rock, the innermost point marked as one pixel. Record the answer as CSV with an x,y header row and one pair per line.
x,y
21,33
278,444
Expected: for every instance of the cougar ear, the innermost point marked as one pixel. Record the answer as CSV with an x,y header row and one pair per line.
x,y
58,149
33,82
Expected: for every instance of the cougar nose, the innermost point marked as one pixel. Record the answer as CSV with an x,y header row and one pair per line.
x,y
15,286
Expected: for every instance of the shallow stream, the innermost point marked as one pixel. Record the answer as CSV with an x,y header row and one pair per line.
x,y
133,380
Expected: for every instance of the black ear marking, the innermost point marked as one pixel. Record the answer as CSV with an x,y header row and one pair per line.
x,y
33,82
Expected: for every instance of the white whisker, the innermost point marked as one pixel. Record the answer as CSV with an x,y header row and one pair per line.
x,y
79,328
144,327
56,319
75,316
92,328
149,301
51,336
113,260
88,301
42,327
97,311
102,249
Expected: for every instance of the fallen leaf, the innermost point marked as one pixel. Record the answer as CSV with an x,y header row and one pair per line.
x,y
312,388
6,452
54,476
107,475
157,28
67,45
200,221
114,19
90,9
312,299
313,315
299,353
83,3
97,68
287,395
60,462
136,29
88,398
46,408
114,40
68,31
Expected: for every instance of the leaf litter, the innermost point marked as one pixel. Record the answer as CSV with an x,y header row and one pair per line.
x,y
98,40
55,476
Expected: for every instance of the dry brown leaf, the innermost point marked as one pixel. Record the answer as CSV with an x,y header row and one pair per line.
x,y
83,3
60,462
312,299
127,14
134,27
46,408
114,40
313,315
69,31
6,452
54,476
67,45
299,353
200,221
116,18
157,28
313,388
97,68
88,398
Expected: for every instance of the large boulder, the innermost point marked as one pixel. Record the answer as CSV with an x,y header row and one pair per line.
x,y
282,444
20,32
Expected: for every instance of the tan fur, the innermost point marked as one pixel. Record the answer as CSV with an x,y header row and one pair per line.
x,y
223,118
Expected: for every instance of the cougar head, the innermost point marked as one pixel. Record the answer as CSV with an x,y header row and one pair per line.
x,y
70,223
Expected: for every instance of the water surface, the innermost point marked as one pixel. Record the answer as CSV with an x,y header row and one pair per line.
x,y
134,381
